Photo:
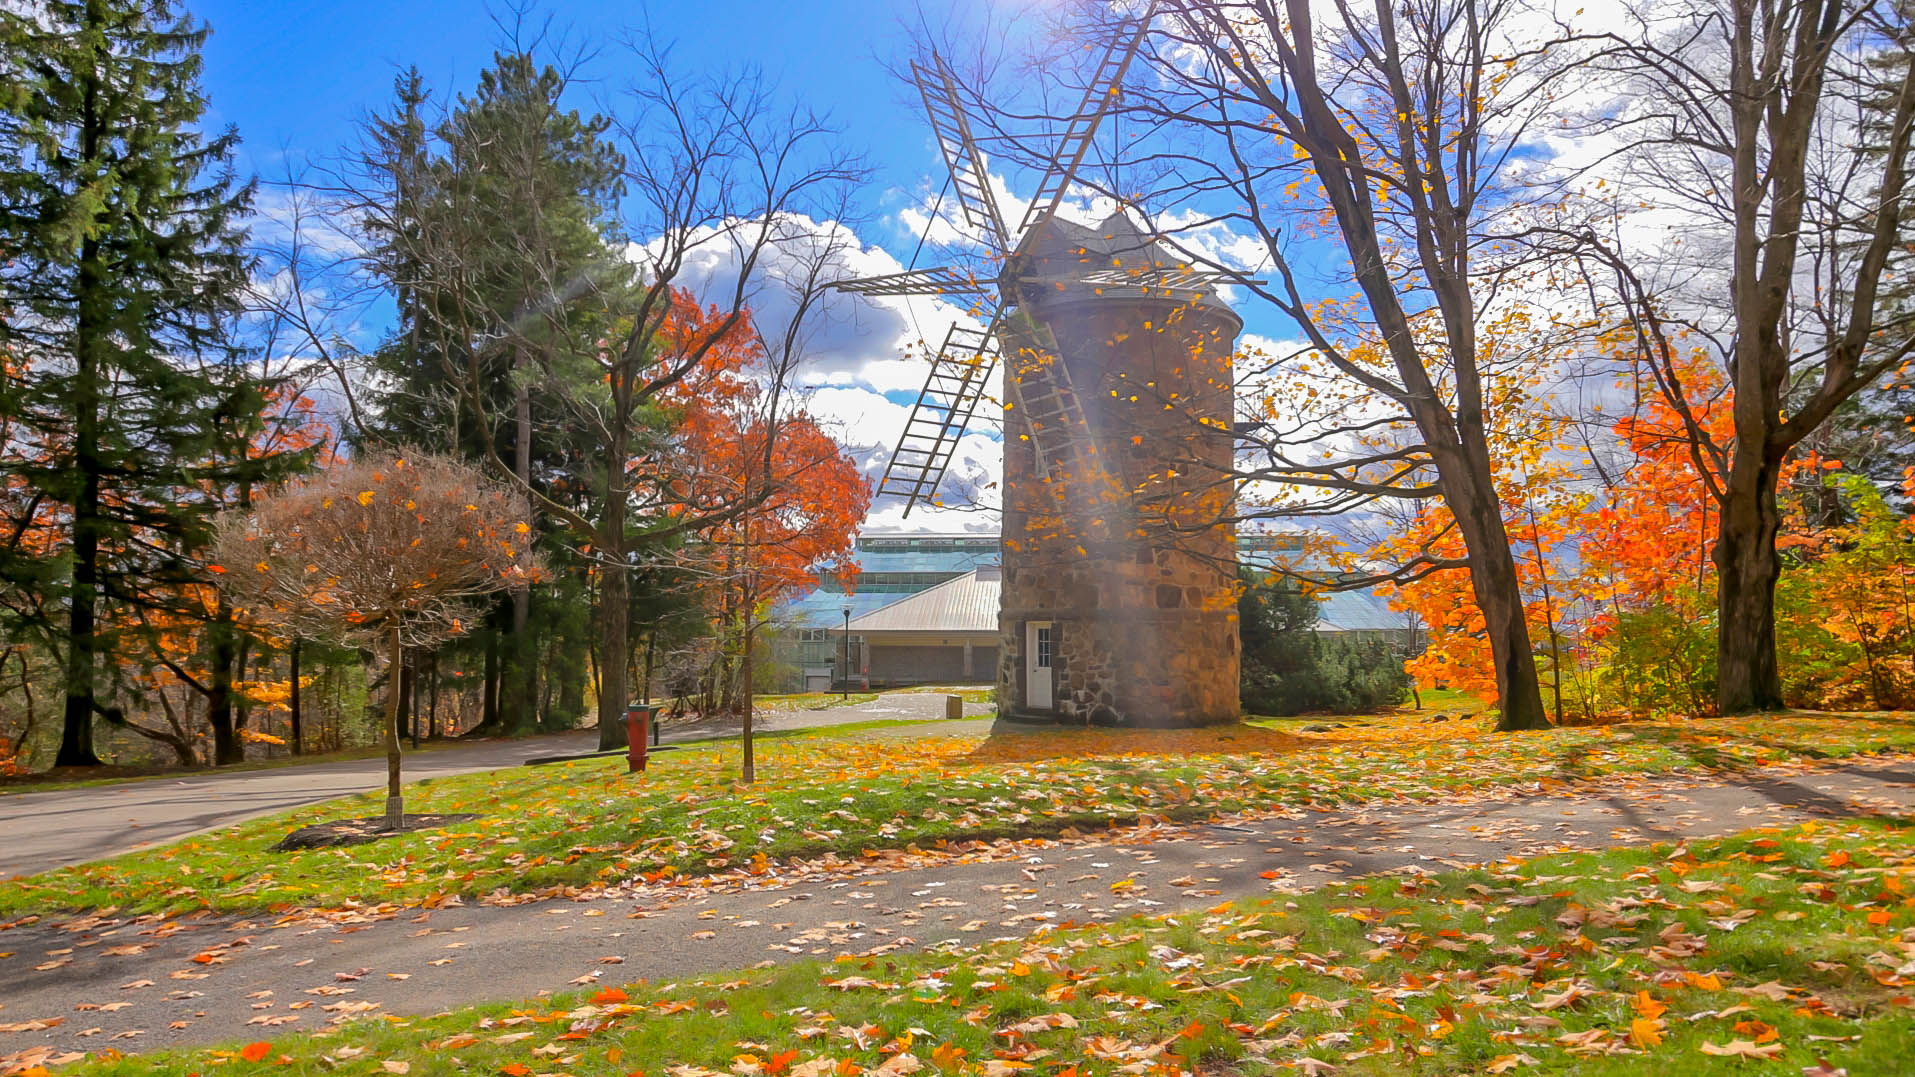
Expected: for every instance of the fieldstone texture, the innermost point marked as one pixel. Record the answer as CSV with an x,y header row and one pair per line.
x,y
1124,544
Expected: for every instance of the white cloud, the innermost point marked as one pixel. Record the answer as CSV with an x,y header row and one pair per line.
x,y
856,350
848,340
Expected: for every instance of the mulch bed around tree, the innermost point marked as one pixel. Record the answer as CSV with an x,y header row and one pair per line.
x,y
361,831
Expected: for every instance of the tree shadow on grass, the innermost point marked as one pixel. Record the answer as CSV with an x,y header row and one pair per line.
x,y
1684,738
1659,819
1039,743
1789,793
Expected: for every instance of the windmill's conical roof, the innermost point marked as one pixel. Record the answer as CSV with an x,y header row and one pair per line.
x,y
1061,243
1060,252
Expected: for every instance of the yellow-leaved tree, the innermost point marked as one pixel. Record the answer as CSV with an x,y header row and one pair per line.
x,y
379,550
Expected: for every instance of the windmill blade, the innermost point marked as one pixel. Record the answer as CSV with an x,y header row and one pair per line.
x,y
1044,401
953,129
956,383
1082,127
943,280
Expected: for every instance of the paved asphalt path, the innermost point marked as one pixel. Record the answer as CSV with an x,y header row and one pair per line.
x,y
46,830
135,985
40,831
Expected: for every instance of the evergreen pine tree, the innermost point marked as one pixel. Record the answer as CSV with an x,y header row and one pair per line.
x,y
494,235
122,269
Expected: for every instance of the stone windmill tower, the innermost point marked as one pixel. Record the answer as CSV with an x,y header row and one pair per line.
x,y
1119,566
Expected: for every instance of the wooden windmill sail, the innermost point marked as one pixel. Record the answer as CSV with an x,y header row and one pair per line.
x,y
1039,384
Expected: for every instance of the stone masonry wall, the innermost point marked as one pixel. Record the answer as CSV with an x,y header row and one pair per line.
x,y
1129,558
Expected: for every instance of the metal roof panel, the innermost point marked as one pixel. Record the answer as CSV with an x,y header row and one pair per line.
x,y
965,604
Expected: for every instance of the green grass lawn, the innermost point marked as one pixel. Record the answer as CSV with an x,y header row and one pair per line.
x,y
812,701
588,823
1773,951
800,701
969,693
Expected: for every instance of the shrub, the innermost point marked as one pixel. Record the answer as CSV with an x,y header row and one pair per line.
x,y
1659,660
1290,668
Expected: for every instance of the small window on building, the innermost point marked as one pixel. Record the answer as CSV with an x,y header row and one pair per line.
x,y
1044,648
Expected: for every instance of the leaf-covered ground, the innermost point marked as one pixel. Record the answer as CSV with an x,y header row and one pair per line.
x,y
1773,951
588,824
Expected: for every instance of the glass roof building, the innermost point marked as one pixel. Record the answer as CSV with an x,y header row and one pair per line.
x,y
890,567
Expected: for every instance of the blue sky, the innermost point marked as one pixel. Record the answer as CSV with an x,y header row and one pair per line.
x,y
299,74
296,77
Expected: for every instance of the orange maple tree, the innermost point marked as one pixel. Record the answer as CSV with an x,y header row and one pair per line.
x,y
810,496
1649,541
1543,513
797,499
800,496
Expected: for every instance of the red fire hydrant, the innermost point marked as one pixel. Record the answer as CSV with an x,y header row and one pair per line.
x,y
638,721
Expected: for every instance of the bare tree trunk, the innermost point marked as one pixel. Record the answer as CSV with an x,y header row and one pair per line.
x,y
748,768
292,666
570,671
395,801
1549,613
1747,567
176,740
26,690
1499,594
614,612
409,698
644,688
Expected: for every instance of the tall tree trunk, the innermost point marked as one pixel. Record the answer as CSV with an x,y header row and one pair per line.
x,y
614,628
748,768
89,338
1747,569
519,673
292,673
489,691
395,691
1499,594
432,698
615,583
219,696
520,689
76,736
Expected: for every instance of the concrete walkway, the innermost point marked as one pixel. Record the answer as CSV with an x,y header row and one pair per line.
x,y
262,978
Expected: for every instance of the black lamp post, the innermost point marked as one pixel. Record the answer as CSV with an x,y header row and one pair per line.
x,y
844,654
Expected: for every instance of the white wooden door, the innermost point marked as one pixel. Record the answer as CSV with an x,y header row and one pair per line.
x,y
1040,646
